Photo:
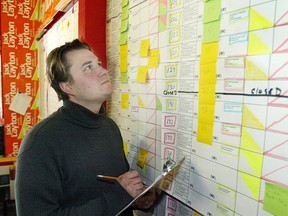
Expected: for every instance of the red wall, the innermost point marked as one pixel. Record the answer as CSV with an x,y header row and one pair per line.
x,y
92,29
92,26
19,68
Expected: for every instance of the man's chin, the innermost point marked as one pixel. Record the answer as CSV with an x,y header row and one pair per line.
x,y
109,93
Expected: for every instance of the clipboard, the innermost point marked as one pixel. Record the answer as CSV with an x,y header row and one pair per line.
x,y
168,167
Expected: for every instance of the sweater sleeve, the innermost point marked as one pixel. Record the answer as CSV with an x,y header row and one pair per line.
x,y
39,190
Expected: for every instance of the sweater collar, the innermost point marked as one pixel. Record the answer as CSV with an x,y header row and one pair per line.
x,y
81,115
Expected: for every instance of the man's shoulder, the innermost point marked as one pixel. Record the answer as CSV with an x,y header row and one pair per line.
x,y
42,132
47,123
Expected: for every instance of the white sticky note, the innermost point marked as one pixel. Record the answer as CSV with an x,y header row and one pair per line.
x,y
20,103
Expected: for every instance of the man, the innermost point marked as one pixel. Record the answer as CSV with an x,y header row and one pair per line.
x,y
61,156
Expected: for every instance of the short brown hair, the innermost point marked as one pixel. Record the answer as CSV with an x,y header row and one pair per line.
x,y
58,68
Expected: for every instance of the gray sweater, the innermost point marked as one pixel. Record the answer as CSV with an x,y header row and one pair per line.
x,y
59,160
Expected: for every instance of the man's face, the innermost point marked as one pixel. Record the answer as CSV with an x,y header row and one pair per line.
x,y
91,84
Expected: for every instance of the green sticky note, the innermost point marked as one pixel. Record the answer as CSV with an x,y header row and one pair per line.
x,y
211,32
275,199
124,2
124,25
125,12
123,38
212,10
124,78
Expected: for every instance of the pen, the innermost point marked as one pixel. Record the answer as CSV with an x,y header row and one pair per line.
x,y
112,178
107,177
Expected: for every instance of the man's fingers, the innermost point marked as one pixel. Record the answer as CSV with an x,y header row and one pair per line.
x,y
132,183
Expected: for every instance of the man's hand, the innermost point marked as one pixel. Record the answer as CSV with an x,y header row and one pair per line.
x,y
132,183
146,201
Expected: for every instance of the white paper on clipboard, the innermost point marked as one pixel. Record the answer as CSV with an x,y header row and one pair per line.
x,y
156,181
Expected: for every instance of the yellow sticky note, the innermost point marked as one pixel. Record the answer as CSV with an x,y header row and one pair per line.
x,y
208,73
154,58
209,52
144,48
205,133
125,148
206,113
125,101
207,94
275,199
123,57
142,74
143,154
155,52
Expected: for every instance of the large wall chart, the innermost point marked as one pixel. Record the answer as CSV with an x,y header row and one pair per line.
x,y
205,79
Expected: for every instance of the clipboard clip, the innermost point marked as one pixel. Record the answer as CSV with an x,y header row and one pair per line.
x,y
170,164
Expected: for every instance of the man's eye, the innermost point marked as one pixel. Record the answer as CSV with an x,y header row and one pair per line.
x,y
99,63
89,67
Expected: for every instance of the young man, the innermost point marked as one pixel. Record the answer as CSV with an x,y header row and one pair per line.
x,y
61,156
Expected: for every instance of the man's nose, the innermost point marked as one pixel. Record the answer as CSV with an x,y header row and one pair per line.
x,y
102,71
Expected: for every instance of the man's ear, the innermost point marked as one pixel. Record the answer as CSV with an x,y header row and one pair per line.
x,y
65,87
